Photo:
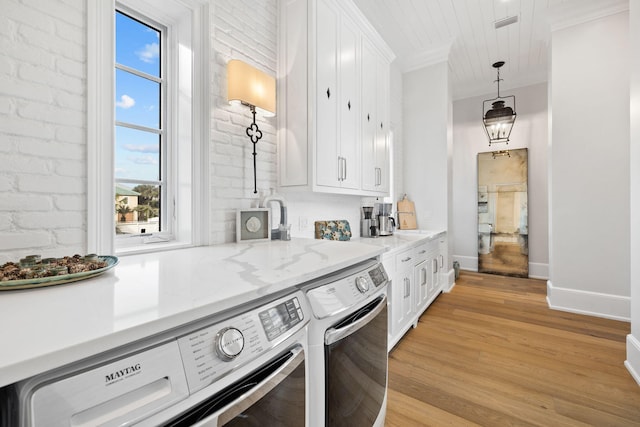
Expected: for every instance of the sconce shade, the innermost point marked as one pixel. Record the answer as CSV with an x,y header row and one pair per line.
x,y
250,86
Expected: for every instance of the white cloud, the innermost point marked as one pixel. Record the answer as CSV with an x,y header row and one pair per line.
x,y
126,102
145,160
141,148
149,53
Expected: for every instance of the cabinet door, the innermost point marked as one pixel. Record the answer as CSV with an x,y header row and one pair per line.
x,y
327,162
404,273
368,116
349,151
382,158
421,273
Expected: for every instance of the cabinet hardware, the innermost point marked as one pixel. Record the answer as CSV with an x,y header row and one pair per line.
x,y
368,118
407,287
406,259
339,168
328,93
423,251
349,105
423,276
380,125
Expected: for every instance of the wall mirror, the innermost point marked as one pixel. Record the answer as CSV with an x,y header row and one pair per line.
x,y
503,231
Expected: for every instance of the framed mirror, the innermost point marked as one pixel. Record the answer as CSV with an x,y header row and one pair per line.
x,y
503,232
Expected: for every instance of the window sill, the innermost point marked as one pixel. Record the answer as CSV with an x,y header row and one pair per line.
x,y
143,248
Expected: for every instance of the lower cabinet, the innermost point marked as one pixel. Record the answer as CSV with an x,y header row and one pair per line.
x,y
414,284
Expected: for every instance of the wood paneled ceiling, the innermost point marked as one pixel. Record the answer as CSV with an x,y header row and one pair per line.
x,y
425,31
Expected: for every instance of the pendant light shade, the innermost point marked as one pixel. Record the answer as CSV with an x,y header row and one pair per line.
x,y
499,114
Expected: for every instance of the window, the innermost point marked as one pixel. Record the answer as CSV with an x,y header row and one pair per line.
x,y
147,125
141,134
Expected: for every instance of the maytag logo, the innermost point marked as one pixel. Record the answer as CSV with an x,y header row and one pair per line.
x,y
122,374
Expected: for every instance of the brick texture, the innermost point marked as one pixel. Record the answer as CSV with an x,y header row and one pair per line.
x,y
42,128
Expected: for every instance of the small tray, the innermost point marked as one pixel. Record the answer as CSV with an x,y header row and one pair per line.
x,y
58,280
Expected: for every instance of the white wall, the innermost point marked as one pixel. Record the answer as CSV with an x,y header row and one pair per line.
x,y
529,131
633,339
589,194
426,103
42,128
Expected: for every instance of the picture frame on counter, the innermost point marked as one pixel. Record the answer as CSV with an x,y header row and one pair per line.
x,y
253,224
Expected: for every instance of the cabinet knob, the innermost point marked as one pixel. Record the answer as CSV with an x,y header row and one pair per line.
x,y
328,93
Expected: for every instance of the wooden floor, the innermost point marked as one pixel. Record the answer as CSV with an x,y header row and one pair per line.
x,y
491,353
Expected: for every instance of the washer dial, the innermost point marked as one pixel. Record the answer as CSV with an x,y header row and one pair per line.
x,y
362,284
229,343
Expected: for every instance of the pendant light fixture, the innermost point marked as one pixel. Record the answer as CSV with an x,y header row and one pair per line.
x,y
499,114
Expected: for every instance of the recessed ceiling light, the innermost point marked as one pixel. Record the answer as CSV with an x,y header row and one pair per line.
x,y
506,21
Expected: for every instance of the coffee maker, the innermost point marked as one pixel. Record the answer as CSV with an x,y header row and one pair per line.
x,y
386,223
368,223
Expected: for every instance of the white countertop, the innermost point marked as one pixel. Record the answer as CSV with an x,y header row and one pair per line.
x,y
147,294
402,239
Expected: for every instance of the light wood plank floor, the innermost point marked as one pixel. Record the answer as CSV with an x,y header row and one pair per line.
x,y
491,353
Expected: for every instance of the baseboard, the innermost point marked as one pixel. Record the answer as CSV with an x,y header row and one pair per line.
x,y
536,270
633,357
469,263
450,280
590,303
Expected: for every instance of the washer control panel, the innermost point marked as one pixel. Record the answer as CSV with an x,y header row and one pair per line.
x,y
335,297
213,351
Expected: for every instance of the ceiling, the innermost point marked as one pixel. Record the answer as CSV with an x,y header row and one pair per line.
x,y
422,32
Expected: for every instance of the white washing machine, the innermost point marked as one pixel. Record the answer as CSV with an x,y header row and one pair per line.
x,y
242,369
347,354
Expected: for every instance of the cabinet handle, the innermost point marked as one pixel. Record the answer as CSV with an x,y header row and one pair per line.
x,y
349,105
434,265
380,125
423,251
339,168
407,287
423,276
368,118
406,259
441,261
328,93
344,169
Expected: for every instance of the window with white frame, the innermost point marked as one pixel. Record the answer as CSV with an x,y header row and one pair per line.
x,y
147,125
142,130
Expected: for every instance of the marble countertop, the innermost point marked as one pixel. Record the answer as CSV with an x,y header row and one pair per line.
x,y
402,239
147,294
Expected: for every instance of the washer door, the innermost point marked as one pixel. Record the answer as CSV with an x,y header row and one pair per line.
x,y
273,395
356,361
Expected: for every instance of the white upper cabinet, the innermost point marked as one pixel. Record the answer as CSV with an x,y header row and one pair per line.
x,y
326,144
375,122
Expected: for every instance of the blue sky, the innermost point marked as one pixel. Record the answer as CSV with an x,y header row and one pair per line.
x,y
137,100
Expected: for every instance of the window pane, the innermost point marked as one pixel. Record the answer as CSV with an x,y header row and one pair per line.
x,y
137,45
137,100
137,208
137,154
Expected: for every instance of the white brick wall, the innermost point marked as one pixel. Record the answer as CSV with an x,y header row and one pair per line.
x,y
42,128
43,122
245,30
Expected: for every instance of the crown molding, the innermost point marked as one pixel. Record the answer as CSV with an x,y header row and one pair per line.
x,y
575,12
426,58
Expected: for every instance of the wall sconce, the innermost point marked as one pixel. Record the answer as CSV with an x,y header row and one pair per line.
x,y
498,120
255,89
